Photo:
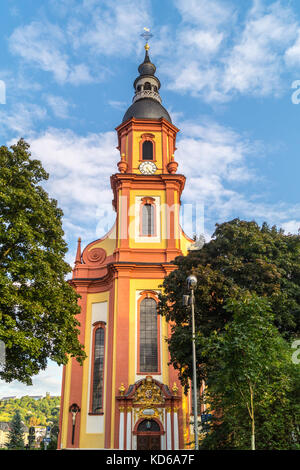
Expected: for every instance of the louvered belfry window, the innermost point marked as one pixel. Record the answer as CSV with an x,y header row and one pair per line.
x,y
98,371
148,220
148,336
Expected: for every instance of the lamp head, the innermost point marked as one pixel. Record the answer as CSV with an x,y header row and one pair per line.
x,y
191,281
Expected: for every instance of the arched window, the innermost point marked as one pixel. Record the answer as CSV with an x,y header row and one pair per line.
x,y
148,220
148,425
148,336
139,88
147,86
98,371
147,150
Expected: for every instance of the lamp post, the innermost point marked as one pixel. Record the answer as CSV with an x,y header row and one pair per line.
x,y
192,282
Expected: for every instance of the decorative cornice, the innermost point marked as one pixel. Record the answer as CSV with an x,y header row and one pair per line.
x,y
167,180
116,269
136,124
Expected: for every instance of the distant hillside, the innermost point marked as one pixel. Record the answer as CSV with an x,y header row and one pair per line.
x,y
33,412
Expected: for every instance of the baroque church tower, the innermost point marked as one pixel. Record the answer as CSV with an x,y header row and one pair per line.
x,y
126,396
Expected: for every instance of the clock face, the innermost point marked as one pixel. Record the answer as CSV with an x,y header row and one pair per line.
x,y
147,168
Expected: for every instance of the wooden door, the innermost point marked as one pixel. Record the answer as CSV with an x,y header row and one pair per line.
x,y
148,442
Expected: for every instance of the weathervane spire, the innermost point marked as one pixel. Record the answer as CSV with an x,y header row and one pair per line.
x,y
147,35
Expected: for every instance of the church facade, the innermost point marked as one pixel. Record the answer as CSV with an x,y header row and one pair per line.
x,y
126,396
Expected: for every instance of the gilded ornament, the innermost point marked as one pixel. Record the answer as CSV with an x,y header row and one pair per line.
x,y
174,389
148,394
155,413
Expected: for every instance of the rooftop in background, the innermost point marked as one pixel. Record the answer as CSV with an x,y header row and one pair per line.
x,y
35,397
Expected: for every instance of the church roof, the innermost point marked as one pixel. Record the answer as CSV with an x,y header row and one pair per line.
x,y
146,108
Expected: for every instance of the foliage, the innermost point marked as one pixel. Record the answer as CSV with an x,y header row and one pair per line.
x,y
250,381
42,412
15,436
241,257
241,261
37,305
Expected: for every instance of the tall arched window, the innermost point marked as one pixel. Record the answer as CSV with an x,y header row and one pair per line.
x,y
148,336
147,150
148,220
98,371
147,86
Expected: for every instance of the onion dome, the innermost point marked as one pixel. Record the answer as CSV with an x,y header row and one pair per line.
x,y
147,100
147,68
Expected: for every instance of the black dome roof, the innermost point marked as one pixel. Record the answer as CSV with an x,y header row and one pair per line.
x,y
146,108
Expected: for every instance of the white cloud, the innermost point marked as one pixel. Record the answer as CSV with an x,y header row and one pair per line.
x,y
217,57
217,150
208,13
48,380
212,157
292,226
121,105
292,54
81,74
255,64
22,118
91,28
110,24
194,79
44,45
217,162
58,105
206,42
80,169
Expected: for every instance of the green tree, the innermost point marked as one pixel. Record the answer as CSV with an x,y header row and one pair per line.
x,y
37,306
250,381
15,436
240,257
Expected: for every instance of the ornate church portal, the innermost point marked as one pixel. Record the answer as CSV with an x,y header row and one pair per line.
x,y
126,396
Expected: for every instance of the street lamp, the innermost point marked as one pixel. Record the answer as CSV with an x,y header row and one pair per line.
x,y
192,282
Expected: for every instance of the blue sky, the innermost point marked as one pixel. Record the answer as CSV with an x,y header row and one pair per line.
x,y
226,68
